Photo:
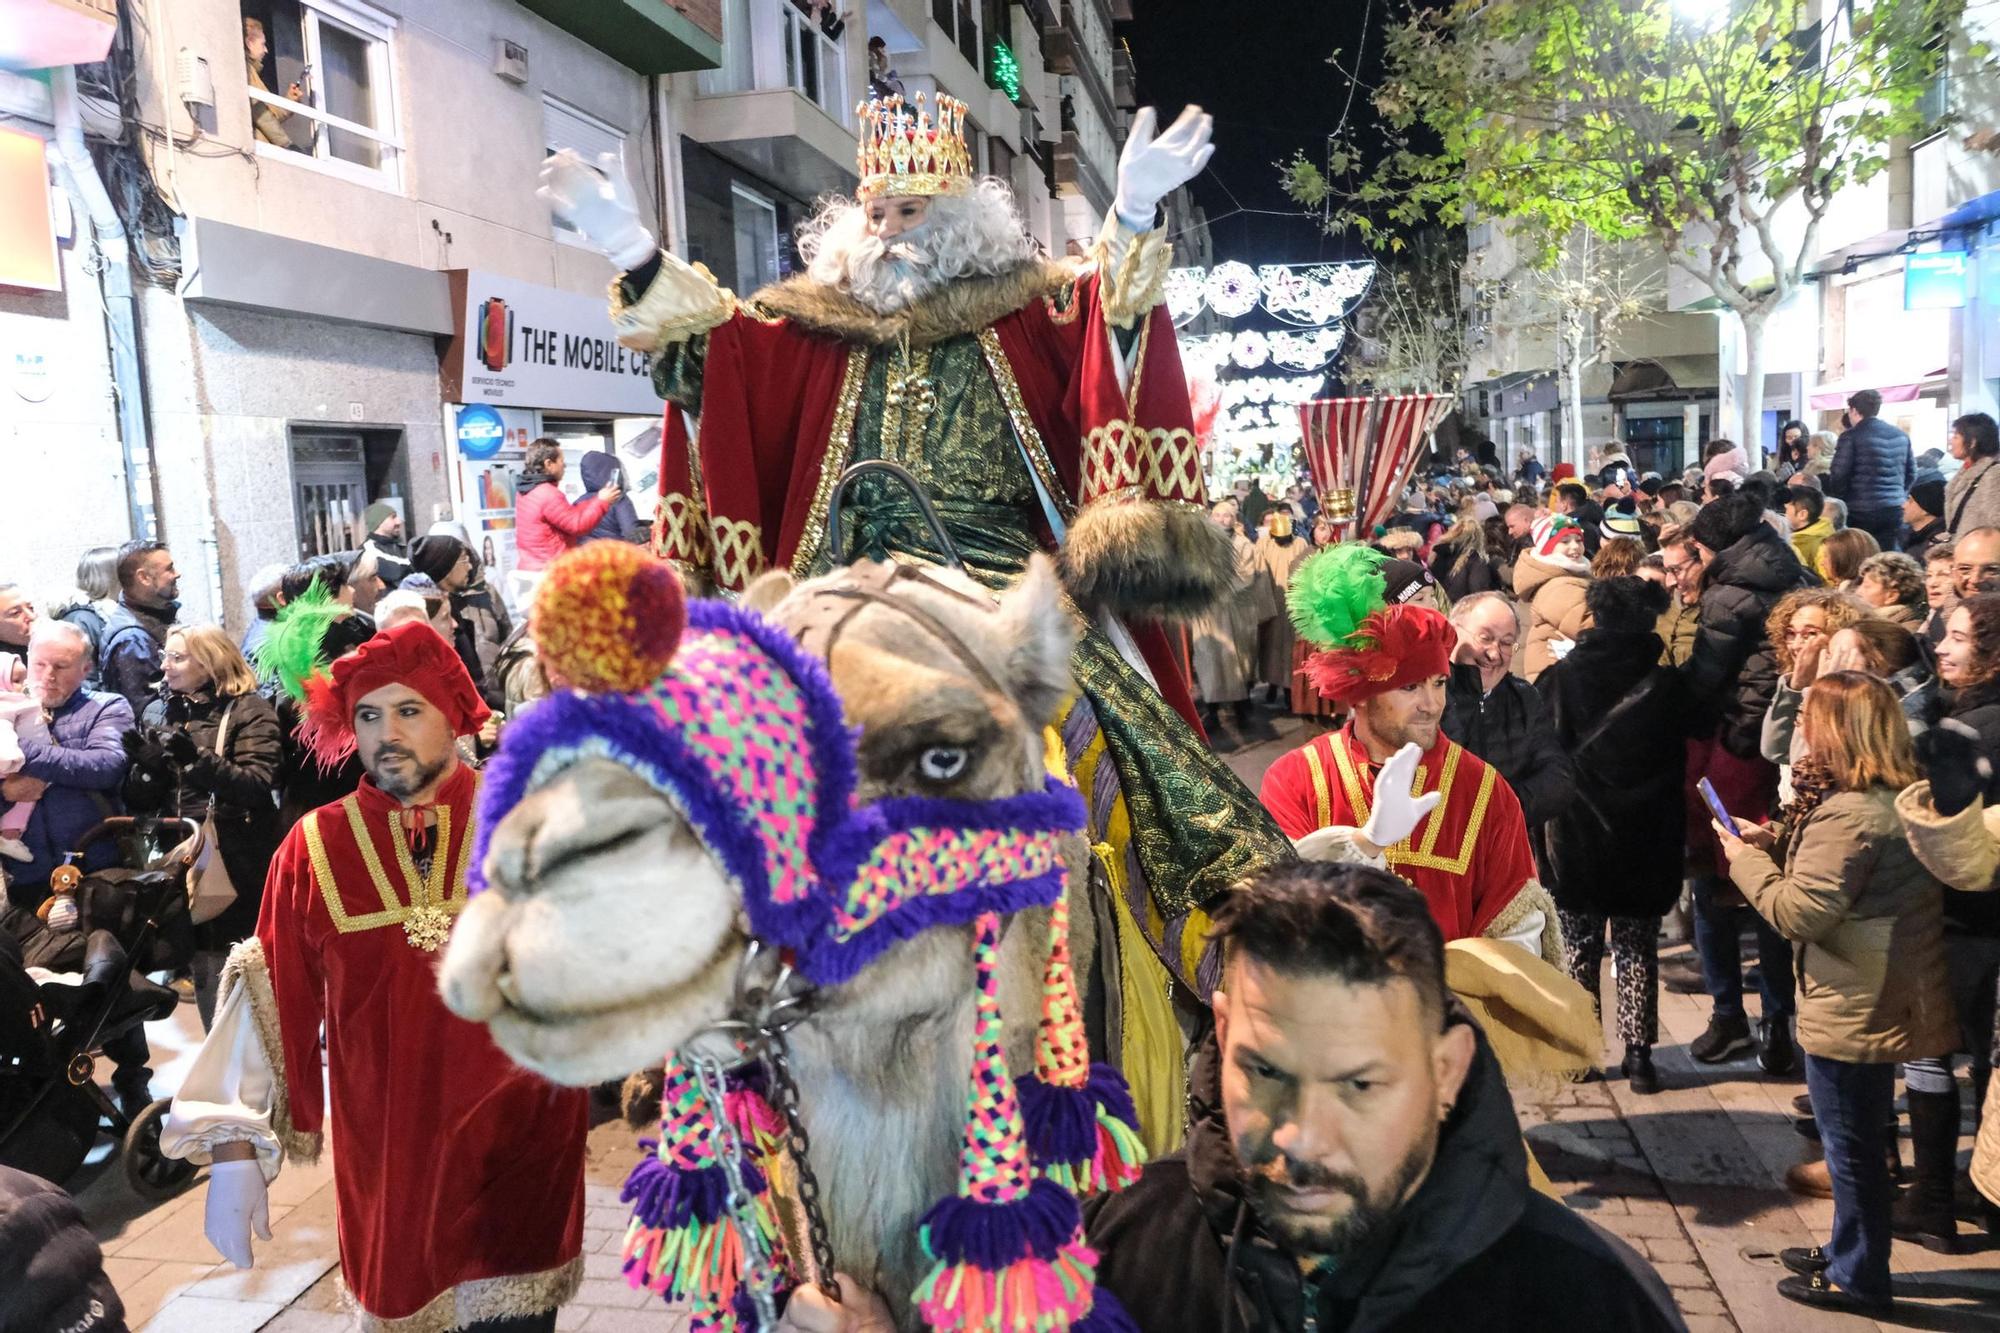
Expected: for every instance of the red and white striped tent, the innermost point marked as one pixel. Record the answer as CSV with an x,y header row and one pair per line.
x,y
1361,451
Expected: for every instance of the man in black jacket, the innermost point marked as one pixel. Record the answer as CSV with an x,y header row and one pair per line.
x,y
149,586
1354,1162
1497,715
1872,470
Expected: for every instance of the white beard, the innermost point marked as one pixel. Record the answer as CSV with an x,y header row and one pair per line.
x,y
976,235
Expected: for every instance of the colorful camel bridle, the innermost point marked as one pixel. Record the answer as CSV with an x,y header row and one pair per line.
x,y
741,731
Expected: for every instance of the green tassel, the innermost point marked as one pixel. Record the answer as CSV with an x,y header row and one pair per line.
x,y
1334,591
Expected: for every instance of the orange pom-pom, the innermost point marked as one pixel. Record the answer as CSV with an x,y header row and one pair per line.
x,y
608,617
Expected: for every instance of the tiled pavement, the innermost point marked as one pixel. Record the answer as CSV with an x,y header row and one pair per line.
x,y
1692,1177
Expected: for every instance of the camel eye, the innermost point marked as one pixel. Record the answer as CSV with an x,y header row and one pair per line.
x,y
943,763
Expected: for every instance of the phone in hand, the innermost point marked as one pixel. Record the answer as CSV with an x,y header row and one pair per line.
x,y
1715,807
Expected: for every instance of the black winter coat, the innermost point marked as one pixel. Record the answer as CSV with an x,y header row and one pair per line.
x,y
621,521
51,1271
1978,707
1732,673
1873,468
1509,729
128,660
1462,571
1474,1248
243,783
1620,717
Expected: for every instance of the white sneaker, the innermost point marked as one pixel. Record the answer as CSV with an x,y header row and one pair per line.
x,y
15,850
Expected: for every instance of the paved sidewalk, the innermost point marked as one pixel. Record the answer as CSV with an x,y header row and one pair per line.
x,y
1692,1177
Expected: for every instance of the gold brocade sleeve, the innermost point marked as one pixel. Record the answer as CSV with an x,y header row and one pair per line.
x,y
681,301
1133,265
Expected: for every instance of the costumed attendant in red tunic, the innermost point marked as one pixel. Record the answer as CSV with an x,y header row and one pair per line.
x,y
459,1175
1390,790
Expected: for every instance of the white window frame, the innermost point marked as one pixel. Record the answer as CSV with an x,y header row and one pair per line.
x,y
566,234
760,53
796,28
378,30
767,208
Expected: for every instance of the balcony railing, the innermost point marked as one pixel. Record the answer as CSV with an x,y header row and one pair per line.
x,y
771,44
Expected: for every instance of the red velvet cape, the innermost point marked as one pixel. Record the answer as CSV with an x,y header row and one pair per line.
x,y
452,1163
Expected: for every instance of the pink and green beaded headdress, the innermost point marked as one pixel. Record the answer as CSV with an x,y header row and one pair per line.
x,y
741,729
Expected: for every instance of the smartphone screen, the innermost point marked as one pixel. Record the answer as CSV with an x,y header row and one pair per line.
x,y
1715,807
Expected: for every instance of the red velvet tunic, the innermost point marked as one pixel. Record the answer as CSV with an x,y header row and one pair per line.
x,y
453,1163
1469,857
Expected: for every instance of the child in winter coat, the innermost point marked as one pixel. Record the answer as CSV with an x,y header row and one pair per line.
x,y
1551,577
20,720
1837,877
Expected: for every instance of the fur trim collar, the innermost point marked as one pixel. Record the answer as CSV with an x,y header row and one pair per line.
x,y
965,306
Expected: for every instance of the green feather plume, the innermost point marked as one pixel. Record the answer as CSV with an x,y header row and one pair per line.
x,y
290,649
1334,591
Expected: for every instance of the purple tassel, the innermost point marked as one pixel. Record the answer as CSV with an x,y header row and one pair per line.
x,y
664,1197
1061,1123
1108,1088
992,1236
1106,1315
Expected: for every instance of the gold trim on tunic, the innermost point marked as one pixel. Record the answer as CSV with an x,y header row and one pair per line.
x,y
1425,855
839,448
1024,425
426,914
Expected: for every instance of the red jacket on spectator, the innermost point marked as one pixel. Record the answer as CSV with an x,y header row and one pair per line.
x,y
547,523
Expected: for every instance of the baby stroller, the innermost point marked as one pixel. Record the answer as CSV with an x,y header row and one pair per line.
x,y
131,922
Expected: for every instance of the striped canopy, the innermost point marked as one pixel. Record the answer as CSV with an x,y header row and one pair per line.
x,y
1361,451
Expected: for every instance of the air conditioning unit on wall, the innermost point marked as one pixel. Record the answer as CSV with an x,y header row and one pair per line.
x,y
510,60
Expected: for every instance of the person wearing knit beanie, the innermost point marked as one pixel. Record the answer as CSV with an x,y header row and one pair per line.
x,y
445,561
1722,523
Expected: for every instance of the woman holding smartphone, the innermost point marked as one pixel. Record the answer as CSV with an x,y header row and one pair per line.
x,y
1836,876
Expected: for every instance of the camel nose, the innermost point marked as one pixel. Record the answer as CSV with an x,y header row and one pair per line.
x,y
584,811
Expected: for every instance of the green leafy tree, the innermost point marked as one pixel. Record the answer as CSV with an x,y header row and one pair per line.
x,y
1717,131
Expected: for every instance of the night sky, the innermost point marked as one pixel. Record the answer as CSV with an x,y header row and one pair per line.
x,y
1260,68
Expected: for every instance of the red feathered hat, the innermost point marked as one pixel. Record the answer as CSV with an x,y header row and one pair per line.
x,y
409,654
1396,646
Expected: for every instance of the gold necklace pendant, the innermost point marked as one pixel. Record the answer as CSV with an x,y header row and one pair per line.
x,y
427,927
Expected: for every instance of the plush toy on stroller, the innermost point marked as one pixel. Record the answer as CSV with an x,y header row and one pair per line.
x,y
67,989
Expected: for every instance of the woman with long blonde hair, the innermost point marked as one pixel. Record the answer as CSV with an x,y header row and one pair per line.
x,y
226,748
1836,876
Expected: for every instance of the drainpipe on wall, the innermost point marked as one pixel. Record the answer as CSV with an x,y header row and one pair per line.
x,y
121,325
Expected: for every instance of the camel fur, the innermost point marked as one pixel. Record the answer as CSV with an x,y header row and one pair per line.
x,y
609,936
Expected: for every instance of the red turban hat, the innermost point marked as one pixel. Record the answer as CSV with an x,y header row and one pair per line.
x,y
409,654
1394,647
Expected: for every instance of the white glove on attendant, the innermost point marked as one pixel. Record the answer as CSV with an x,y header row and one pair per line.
x,y
598,201
861,1311
1151,168
239,1203
1397,812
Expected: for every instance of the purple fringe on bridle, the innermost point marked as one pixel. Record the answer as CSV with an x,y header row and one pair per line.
x,y
993,1236
1106,1315
666,1197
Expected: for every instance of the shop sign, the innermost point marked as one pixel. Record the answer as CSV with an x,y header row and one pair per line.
x,y
519,344
1934,280
481,431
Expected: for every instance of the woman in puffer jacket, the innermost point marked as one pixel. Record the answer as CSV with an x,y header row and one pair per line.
x,y
1953,823
1836,875
1550,579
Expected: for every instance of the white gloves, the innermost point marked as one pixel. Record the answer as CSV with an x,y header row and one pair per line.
x,y
1397,812
598,201
1150,169
238,1204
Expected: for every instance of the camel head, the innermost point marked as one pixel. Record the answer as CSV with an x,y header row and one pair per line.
x,y
636,841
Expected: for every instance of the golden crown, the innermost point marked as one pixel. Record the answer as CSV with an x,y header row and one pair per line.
x,y
901,154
